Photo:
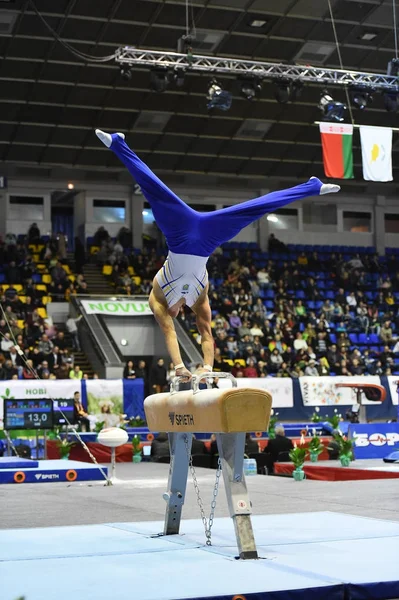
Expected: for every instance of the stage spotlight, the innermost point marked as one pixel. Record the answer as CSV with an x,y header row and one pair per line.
x,y
391,102
218,97
126,73
250,88
393,67
296,90
282,92
361,98
332,111
159,79
178,78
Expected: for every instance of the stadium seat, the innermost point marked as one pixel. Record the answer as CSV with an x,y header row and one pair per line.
x,y
41,287
42,312
107,270
353,338
46,278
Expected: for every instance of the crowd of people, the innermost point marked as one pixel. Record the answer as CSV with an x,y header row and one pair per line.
x,y
31,346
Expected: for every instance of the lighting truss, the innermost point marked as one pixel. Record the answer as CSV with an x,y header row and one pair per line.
x,y
212,65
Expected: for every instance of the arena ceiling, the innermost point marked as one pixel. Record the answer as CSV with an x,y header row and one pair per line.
x,y
50,101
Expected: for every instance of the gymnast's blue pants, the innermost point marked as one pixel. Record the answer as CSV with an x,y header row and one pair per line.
x,y
190,232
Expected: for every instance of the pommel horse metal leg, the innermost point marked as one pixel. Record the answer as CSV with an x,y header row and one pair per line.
x,y
231,448
180,450
228,412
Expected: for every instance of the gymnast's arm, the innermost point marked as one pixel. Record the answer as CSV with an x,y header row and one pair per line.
x,y
165,322
203,315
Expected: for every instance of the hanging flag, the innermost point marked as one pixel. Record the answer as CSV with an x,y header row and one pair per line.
x,y
376,153
336,139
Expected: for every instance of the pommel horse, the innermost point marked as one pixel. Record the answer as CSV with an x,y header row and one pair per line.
x,y
229,413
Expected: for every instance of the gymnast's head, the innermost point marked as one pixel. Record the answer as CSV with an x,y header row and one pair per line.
x,y
174,310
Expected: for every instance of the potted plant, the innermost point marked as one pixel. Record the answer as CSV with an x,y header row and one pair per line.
x,y
297,456
335,419
272,423
136,449
315,448
64,448
345,449
136,422
99,426
316,418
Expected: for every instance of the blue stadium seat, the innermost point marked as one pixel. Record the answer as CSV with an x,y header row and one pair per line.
x,y
2,278
333,338
353,338
330,295
374,338
362,337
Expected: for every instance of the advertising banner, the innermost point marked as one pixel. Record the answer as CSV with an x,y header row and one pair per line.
x,y
281,389
375,440
117,308
393,381
323,391
31,389
105,400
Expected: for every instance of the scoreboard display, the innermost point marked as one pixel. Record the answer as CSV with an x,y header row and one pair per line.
x,y
28,414
64,411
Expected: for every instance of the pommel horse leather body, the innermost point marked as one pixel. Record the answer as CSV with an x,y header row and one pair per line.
x,y
229,413
209,411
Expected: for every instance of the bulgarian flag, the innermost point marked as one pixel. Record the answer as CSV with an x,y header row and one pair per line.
x,y
336,139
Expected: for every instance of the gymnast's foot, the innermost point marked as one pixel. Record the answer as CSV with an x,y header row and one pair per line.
x,y
327,188
107,138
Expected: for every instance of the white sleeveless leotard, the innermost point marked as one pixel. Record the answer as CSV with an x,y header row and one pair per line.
x,y
183,276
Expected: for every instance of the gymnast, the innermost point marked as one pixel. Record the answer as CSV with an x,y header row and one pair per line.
x,y
192,237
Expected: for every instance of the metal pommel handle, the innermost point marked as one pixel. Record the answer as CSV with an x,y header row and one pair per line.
x,y
198,378
174,384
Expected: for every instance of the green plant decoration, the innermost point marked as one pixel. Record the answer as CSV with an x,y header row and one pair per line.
x,y
297,456
136,445
136,422
345,449
272,423
335,419
315,418
99,426
64,447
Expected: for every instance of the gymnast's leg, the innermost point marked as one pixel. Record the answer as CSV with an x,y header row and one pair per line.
x,y
222,225
175,218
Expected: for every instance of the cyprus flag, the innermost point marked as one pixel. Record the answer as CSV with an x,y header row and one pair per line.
x,y
376,153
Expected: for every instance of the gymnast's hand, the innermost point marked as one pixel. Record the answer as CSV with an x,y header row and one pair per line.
x,y
201,372
184,373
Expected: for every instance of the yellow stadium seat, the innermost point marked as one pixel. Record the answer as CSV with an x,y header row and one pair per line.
x,y
22,299
94,249
46,299
42,287
36,257
137,280
41,267
18,287
107,270
72,278
229,361
66,269
5,286
32,247
130,270
46,278
42,312
39,247
21,323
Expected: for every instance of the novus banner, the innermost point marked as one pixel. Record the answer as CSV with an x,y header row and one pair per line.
x,y
118,308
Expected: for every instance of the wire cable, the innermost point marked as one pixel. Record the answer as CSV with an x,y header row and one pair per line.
x,y
394,28
36,376
81,55
340,61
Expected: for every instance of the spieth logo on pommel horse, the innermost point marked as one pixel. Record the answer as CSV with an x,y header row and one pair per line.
x,y
230,413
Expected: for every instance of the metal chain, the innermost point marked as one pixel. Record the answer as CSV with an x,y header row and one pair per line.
x,y
207,522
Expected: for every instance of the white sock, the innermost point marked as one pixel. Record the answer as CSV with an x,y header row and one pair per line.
x,y
106,137
328,188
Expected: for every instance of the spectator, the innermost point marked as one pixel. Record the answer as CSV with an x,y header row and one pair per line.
x,y
158,381
72,328
79,256
160,446
250,369
300,343
33,234
311,370
76,373
45,346
235,321
6,343
386,333
129,371
81,417
251,445
280,446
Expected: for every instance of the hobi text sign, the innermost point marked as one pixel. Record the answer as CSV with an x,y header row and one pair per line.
x,y
118,308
